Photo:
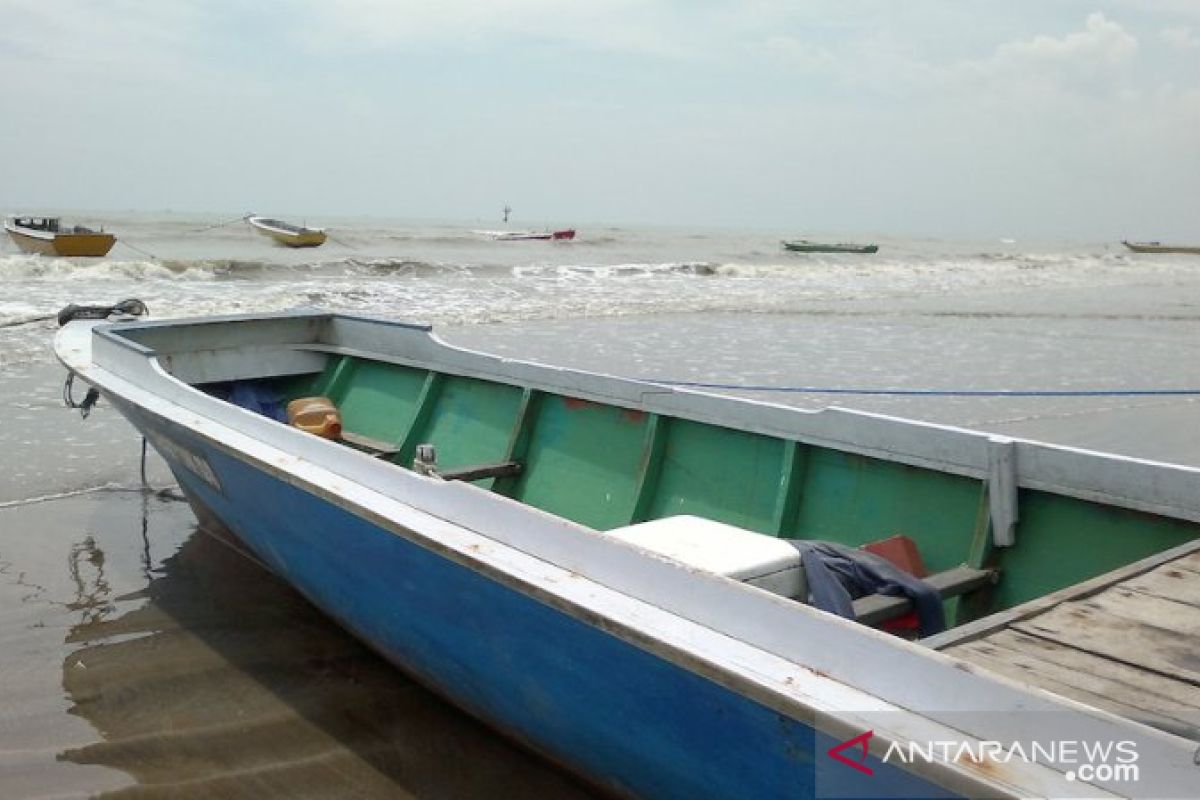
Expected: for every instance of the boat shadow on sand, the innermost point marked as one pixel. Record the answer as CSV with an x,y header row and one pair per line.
x,y
225,682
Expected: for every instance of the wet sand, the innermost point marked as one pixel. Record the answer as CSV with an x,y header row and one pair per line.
x,y
141,657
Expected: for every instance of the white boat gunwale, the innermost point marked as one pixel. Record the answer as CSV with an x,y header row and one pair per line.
x,y
276,226
1129,482
11,226
771,627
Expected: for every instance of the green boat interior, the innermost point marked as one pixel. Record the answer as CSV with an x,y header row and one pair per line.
x,y
608,467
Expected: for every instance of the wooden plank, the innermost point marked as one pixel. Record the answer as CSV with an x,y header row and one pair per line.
x,y
518,440
426,401
795,463
959,609
1078,686
337,378
1131,627
876,608
1122,679
1191,562
1169,582
1186,552
1151,611
653,448
375,447
478,472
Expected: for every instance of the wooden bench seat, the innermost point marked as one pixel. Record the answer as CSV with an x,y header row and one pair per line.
x,y
478,472
375,447
875,609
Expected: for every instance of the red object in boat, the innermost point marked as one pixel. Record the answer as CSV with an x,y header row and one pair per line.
x,y
902,552
567,234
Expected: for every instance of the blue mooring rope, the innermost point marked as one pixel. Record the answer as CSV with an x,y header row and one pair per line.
x,y
934,392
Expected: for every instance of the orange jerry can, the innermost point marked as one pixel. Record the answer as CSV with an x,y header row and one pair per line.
x,y
317,415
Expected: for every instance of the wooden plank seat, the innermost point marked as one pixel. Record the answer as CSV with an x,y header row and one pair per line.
x,y
375,447
875,609
478,472
475,472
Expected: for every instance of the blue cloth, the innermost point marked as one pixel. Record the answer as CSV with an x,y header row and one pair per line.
x,y
259,399
838,574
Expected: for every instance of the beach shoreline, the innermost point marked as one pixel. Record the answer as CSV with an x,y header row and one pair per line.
x,y
140,654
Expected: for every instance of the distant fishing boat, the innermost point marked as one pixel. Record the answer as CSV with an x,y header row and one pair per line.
x,y
806,246
47,236
524,236
1159,247
623,574
287,234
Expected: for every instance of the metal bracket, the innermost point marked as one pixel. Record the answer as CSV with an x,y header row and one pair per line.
x,y
425,461
1002,490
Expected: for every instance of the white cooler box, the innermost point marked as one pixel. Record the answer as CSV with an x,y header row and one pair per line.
x,y
746,556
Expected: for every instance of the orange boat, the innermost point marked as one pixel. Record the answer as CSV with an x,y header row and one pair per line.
x,y
47,236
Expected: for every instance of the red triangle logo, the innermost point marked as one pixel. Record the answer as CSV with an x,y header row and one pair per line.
x,y
860,741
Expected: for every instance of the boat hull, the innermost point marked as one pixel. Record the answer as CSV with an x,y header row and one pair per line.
x,y
809,247
626,718
1151,247
531,236
648,676
307,239
299,237
92,245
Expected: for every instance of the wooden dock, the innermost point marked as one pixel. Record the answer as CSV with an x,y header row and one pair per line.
x,y
1127,642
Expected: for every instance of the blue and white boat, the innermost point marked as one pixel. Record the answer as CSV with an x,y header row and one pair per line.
x,y
602,569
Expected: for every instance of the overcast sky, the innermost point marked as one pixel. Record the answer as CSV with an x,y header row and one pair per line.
x,y
957,118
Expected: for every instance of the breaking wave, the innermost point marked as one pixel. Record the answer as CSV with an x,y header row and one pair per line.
x,y
441,275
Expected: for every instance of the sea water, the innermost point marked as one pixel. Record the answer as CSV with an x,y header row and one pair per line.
x,y
447,274
729,307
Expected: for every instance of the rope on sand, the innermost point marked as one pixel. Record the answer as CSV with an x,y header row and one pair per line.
x,y
167,493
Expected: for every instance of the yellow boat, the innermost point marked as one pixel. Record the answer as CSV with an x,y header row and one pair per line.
x,y
286,233
47,236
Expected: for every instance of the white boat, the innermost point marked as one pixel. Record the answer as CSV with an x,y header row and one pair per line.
x,y
566,234
287,234
48,236
592,565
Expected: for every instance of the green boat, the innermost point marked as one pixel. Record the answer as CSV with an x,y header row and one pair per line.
x,y
611,571
806,246
1159,247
